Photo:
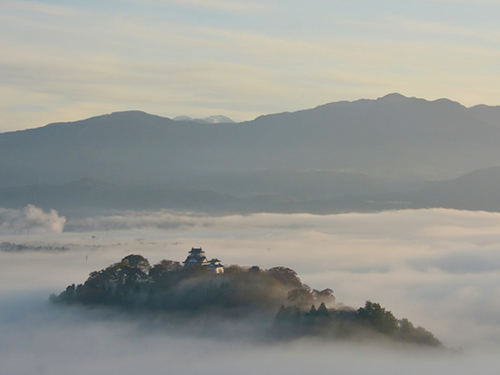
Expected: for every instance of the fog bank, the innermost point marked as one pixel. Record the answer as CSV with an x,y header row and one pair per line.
x,y
41,339
438,268
30,219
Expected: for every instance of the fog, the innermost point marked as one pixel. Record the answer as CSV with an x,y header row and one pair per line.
x,y
439,268
30,218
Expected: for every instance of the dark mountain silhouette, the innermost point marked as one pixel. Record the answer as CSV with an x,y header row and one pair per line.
x,y
318,155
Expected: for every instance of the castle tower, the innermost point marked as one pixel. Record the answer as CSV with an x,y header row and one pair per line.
x,y
196,257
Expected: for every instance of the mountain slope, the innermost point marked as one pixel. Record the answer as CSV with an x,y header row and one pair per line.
x,y
474,191
96,195
478,190
394,138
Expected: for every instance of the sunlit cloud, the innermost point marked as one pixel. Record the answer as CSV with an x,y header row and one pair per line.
x,y
238,6
30,218
37,7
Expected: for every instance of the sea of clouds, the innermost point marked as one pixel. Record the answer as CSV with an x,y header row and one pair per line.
x,y
439,268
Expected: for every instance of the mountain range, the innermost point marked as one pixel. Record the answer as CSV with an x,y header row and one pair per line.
x,y
392,152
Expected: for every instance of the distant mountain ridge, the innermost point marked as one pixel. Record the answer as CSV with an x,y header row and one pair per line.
x,y
393,143
474,191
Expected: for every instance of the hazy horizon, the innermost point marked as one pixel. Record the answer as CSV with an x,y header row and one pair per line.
x,y
208,116
185,116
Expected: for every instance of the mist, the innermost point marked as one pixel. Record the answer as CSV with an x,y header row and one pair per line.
x,y
62,342
439,268
30,218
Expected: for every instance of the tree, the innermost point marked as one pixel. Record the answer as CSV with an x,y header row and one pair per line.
x,y
322,310
286,276
254,269
137,261
300,297
325,296
381,319
170,265
419,335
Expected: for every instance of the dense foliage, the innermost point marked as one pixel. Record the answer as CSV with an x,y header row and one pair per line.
x,y
346,322
168,286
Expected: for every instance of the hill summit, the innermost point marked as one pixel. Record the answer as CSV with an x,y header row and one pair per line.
x,y
198,289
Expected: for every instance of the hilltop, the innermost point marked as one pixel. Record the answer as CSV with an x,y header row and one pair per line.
x,y
197,289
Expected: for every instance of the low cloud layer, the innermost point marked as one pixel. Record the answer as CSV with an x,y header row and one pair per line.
x,y
47,340
30,219
439,268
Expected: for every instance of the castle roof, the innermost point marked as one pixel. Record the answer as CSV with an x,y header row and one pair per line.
x,y
196,250
197,257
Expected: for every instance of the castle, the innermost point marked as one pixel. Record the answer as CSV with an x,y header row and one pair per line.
x,y
197,257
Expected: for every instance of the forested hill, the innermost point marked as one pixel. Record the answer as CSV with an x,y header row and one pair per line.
x,y
239,293
394,137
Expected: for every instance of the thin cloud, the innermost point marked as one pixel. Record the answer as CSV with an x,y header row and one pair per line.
x,y
91,61
37,7
235,6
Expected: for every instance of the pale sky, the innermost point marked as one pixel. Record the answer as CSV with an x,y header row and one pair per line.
x,y
65,60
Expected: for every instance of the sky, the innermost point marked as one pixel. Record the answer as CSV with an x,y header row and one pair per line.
x,y
69,60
